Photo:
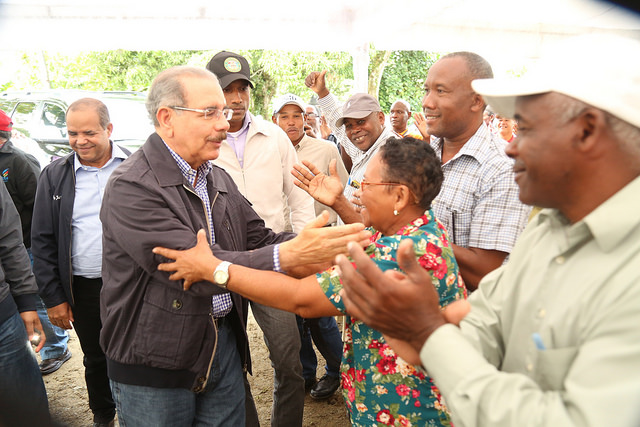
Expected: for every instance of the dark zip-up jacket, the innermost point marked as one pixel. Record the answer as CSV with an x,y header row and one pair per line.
x,y
154,333
20,174
17,286
51,230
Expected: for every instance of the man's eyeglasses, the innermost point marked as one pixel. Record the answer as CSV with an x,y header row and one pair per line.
x,y
209,113
364,183
312,115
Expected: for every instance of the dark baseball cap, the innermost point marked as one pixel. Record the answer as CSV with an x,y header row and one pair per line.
x,y
358,106
229,67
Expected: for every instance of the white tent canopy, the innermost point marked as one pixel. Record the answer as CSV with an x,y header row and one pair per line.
x,y
506,32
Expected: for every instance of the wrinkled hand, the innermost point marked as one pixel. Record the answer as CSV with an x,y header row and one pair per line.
x,y
421,124
318,244
61,315
325,189
400,306
316,82
34,327
191,265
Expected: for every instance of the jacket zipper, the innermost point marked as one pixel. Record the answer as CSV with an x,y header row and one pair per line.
x,y
73,300
213,320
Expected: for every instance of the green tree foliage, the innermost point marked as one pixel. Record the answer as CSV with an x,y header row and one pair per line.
x,y
274,72
404,77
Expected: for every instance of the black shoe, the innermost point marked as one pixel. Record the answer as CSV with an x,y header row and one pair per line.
x,y
309,383
49,366
325,388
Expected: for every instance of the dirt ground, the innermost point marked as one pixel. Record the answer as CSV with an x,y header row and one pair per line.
x,y
68,393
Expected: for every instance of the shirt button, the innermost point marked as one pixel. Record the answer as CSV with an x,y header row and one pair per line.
x,y
541,313
529,367
176,304
560,260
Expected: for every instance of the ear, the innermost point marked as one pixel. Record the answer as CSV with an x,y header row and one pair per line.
x,y
109,129
404,197
165,120
381,117
273,119
591,124
409,116
477,103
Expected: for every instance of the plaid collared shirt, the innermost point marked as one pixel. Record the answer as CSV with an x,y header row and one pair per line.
x,y
478,203
221,303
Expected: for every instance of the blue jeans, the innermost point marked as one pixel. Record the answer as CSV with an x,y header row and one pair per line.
x,y
56,343
57,338
23,398
326,336
220,404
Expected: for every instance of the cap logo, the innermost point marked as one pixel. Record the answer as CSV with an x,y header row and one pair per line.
x,y
232,65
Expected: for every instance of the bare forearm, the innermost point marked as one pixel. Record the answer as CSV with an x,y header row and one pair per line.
x,y
345,209
475,263
301,296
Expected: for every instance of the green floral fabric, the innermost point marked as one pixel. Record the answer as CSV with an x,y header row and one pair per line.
x,y
379,387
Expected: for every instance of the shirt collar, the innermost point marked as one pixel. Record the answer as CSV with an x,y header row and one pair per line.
x,y
185,168
245,126
608,224
475,147
116,153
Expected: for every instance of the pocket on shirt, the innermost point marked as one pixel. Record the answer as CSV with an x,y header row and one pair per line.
x,y
459,227
553,366
171,329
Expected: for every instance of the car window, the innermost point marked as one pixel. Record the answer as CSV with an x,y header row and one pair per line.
x,y
21,116
52,122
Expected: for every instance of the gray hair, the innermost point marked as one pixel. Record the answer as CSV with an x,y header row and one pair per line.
x,y
97,105
167,89
628,136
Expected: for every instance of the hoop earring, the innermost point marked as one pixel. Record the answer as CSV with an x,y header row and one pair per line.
x,y
395,212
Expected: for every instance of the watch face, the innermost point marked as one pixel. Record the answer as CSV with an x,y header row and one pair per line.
x,y
221,277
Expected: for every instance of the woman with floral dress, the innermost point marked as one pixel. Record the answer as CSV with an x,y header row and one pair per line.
x,y
395,197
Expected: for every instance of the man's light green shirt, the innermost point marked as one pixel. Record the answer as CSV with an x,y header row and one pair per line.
x,y
553,337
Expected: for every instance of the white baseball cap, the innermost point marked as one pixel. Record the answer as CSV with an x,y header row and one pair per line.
x,y
290,99
600,70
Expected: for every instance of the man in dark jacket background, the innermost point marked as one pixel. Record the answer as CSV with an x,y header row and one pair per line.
x,y
66,240
20,173
23,399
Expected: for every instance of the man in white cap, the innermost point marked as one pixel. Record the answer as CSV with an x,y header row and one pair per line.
x,y
551,337
259,157
289,114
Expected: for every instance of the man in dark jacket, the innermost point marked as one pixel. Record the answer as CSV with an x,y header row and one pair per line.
x,y
20,173
23,399
66,240
177,357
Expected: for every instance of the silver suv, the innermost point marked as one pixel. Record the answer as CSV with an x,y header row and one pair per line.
x,y
40,129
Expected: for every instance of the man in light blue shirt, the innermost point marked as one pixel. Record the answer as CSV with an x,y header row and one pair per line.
x,y
67,240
